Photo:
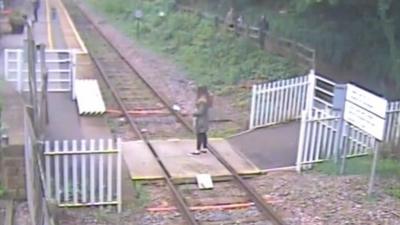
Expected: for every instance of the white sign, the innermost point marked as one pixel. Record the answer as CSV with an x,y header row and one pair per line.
x,y
365,120
366,100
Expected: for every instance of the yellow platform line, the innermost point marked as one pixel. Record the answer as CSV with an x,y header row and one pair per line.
x,y
74,30
49,27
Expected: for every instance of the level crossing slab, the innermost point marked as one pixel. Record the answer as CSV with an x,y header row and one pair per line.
x,y
181,165
140,161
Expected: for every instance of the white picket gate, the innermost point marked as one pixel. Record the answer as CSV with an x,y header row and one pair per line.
x,y
60,65
284,100
320,139
85,173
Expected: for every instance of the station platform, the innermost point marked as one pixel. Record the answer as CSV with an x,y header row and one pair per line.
x,y
181,165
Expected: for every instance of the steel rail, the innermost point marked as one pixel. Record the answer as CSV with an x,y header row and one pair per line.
x,y
178,197
185,210
260,203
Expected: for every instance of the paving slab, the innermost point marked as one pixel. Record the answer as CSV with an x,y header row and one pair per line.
x,y
270,147
239,161
175,154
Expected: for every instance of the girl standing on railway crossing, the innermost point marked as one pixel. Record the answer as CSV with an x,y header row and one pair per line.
x,y
200,116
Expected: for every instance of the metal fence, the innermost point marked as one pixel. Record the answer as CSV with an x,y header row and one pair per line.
x,y
284,100
84,173
322,137
278,101
37,200
392,125
60,67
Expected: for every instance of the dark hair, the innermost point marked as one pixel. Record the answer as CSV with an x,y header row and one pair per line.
x,y
202,91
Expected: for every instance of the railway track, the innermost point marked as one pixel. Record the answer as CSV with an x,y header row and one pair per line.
x,y
132,92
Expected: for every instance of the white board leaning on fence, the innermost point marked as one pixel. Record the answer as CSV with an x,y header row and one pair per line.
x,y
365,111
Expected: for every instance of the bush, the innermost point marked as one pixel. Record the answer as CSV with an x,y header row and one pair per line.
x,y
16,18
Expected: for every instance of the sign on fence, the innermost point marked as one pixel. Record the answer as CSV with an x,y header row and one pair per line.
x,y
362,109
312,99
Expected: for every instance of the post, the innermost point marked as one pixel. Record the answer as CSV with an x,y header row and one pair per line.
x,y
44,113
373,169
302,136
119,175
20,79
73,54
31,48
310,91
345,150
253,106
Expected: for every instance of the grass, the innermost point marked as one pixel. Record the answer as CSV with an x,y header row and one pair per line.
x,y
362,166
2,191
142,195
386,169
211,56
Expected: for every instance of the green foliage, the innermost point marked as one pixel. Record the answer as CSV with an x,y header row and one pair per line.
x,y
349,35
211,56
16,18
362,166
394,191
142,196
2,191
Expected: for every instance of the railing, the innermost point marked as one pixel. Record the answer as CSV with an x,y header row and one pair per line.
x,y
278,101
392,125
60,67
84,173
320,138
35,181
284,100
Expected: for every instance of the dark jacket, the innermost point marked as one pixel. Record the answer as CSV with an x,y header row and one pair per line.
x,y
201,116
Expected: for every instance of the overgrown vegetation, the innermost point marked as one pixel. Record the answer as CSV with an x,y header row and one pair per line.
x,y
358,35
211,56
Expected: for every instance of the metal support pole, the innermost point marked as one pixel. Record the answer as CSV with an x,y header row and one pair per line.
x,y
44,114
373,169
31,48
345,149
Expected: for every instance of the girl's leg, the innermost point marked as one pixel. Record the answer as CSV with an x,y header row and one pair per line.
x,y
204,142
198,144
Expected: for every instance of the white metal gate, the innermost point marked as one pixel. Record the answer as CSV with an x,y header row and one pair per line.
x,y
392,130
85,173
60,67
284,100
320,139
310,98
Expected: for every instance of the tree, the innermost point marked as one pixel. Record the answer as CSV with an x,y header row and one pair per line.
x,y
382,12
